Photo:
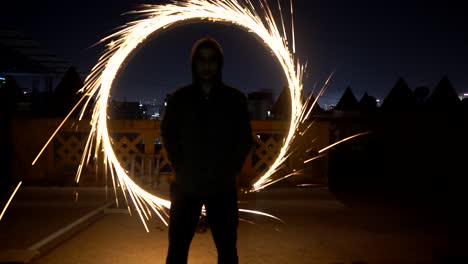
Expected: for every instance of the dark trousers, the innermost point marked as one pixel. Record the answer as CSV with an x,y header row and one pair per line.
x,y
223,218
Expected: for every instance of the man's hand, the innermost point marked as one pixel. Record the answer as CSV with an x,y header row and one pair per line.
x,y
171,178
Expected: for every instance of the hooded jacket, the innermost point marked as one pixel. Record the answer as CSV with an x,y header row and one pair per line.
x,y
207,137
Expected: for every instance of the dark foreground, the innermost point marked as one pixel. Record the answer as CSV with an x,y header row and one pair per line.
x,y
320,228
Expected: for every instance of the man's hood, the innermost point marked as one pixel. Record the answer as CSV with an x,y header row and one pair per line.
x,y
202,43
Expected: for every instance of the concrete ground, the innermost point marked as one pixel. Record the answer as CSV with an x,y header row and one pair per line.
x,y
36,212
37,216
319,229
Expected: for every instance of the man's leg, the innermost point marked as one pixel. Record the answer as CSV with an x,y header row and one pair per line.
x,y
184,215
223,216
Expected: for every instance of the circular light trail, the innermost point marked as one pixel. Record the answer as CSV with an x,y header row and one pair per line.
x,y
151,20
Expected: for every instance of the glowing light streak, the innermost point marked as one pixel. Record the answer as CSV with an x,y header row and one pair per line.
x,y
322,91
309,150
292,27
342,141
9,200
309,185
314,158
271,181
307,128
261,213
247,221
57,130
155,18
299,118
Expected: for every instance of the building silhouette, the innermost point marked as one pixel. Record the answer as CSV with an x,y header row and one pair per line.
x,y
421,94
367,103
125,110
347,102
259,104
444,97
400,98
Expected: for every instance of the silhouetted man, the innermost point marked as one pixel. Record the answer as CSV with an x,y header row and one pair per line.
x,y
206,132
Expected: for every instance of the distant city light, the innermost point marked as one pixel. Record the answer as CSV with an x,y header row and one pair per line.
x,y
329,106
165,103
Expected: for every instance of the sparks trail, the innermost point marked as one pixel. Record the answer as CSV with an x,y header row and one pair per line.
x,y
9,200
151,19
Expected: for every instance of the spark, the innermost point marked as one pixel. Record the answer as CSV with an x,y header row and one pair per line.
x,y
309,185
314,158
321,92
9,200
342,141
247,221
262,214
299,117
271,181
57,130
292,27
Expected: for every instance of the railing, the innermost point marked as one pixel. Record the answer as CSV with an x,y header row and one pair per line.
x,y
137,143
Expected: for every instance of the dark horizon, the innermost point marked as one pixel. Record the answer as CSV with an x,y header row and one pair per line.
x,y
370,45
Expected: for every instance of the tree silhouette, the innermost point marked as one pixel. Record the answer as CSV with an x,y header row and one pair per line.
x,y
348,101
444,97
400,98
281,107
368,103
65,95
421,93
464,105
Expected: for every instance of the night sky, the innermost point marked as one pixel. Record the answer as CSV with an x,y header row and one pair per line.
x,y
369,43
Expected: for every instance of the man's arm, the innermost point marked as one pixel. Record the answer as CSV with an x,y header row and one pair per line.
x,y
169,132
243,134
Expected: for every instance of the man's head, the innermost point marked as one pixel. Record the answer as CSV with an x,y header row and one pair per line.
x,y
207,60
